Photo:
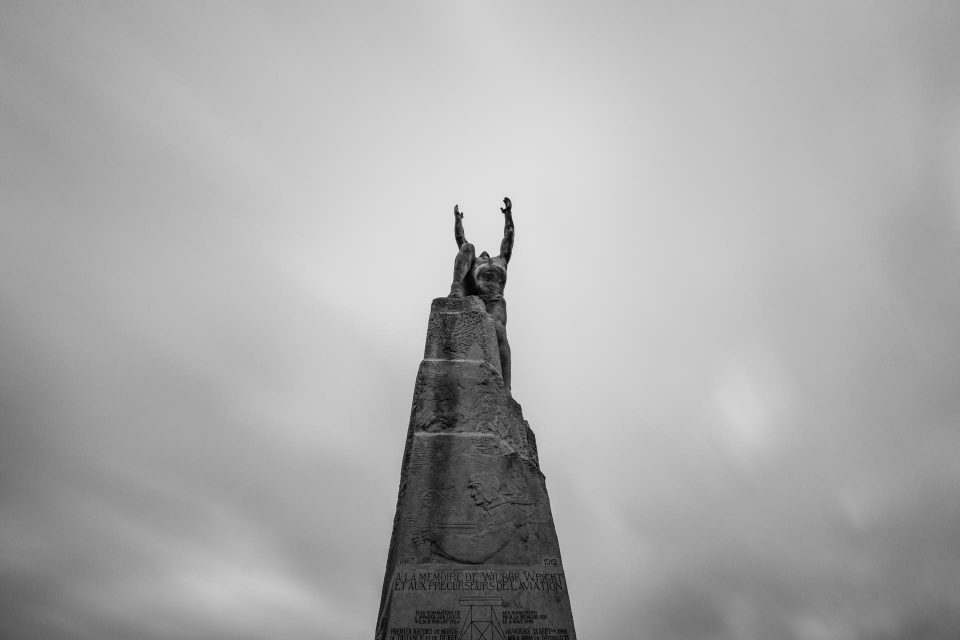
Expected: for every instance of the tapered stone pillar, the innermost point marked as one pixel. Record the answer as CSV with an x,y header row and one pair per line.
x,y
474,553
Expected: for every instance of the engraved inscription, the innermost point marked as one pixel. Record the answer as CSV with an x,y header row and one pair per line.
x,y
442,617
538,633
423,633
479,581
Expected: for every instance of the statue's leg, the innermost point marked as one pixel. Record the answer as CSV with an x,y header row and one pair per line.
x,y
498,311
504,352
461,267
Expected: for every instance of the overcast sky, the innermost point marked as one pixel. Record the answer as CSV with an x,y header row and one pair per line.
x,y
734,306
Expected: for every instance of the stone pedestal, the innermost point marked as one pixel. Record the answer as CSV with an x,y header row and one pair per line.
x,y
474,552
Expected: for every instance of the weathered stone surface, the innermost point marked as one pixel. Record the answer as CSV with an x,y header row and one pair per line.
x,y
457,331
474,552
467,397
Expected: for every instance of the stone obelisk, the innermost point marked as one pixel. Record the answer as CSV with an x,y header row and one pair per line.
x,y
474,552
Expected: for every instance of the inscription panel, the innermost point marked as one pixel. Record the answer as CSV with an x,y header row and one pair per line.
x,y
494,603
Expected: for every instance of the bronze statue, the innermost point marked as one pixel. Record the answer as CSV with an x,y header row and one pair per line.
x,y
486,277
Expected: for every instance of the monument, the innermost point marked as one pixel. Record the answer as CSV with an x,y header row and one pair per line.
x,y
474,553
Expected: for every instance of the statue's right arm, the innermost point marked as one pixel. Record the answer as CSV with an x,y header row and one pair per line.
x,y
458,227
506,246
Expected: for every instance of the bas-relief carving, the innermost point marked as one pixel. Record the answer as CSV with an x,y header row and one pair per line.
x,y
482,620
466,502
501,520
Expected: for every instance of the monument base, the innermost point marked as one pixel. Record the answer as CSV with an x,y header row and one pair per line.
x,y
474,553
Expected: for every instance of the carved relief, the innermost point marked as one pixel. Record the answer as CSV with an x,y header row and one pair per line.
x,y
500,521
474,503
481,620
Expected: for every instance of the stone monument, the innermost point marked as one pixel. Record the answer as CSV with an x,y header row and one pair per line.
x,y
474,552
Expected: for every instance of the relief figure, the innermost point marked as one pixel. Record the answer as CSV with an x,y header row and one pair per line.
x,y
502,527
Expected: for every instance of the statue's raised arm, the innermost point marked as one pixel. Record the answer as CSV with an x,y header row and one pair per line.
x,y
458,226
506,247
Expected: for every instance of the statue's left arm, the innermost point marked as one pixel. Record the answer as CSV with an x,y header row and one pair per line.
x,y
506,247
458,226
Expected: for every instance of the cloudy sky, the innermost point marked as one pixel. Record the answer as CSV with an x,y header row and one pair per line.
x,y
734,306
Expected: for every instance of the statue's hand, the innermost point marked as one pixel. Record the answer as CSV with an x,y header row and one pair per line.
x,y
456,211
508,206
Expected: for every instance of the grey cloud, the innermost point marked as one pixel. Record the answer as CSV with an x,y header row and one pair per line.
x,y
733,310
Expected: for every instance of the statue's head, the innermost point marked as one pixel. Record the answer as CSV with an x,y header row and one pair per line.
x,y
484,487
485,255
